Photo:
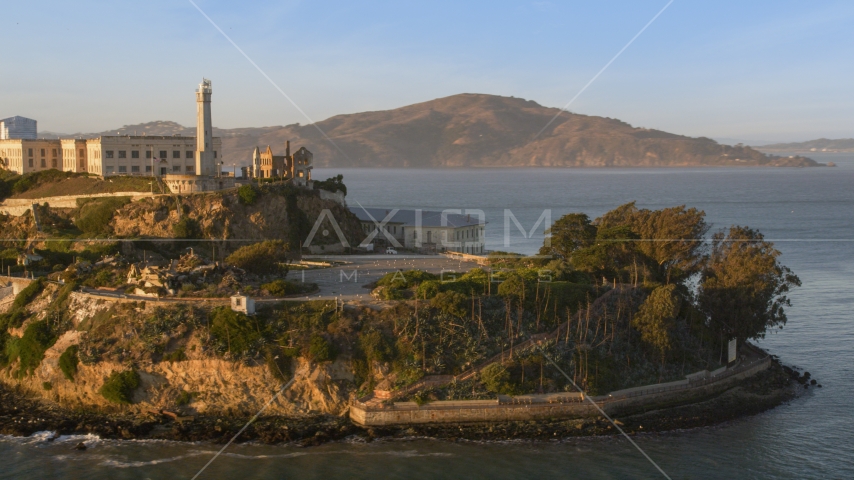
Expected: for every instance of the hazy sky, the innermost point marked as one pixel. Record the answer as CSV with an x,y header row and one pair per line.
x,y
755,70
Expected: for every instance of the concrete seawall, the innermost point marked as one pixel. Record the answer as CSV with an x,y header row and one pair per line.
x,y
543,407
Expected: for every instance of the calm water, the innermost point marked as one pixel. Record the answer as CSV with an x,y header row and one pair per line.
x,y
808,212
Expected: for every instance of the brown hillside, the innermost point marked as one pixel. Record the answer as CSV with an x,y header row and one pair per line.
x,y
476,130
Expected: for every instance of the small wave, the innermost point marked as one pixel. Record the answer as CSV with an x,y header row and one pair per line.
x,y
147,463
117,463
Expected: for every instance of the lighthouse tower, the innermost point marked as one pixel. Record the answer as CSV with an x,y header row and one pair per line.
x,y
205,160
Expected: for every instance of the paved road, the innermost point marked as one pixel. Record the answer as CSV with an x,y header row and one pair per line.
x,y
347,281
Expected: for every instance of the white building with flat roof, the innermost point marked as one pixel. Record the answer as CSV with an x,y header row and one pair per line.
x,y
424,230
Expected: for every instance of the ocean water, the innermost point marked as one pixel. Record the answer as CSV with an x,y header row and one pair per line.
x,y
809,213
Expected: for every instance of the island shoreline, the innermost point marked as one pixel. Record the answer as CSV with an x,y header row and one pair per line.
x,y
21,416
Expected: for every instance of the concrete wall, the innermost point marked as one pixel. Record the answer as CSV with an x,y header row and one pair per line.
x,y
17,283
499,411
20,206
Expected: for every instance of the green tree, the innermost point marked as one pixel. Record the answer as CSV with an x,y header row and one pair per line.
x,y
743,287
671,238
514,287
656,318
234,332
613,251
496,379
569,233
452,303
674,240
332,184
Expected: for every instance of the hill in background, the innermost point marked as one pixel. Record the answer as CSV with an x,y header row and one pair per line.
x,y
818,145
476,130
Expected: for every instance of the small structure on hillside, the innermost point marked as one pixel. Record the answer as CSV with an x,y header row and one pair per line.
x,y
29,258
243,304
150,280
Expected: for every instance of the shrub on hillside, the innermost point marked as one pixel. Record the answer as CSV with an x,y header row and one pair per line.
x,y
119,387
428,289
30,348
95,215
263,258
234,332
247,194
280,288
29,293
68,362
186,229
320,350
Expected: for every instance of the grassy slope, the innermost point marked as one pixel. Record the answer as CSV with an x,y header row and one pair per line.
x,y
84,185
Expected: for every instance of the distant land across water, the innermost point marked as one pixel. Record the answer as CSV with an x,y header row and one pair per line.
x,y
478,130
811,146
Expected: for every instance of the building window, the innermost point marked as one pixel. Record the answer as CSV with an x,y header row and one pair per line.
x,y
53,163
43,164
123,154
148,169
123,169
214,153
82,152
54,152
31,163
109,170
134,169
108,154
42,152
30,152
162,154
176,154
190,168
134,154
176,168
148,154
188,154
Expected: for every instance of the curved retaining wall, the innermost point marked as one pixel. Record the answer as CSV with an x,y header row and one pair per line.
x,y
473,411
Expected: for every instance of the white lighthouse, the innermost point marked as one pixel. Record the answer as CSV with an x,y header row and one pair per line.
x,y
205,153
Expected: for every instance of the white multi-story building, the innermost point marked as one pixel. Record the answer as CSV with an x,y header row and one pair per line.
x,y
424,230
18,127
187,164
144,155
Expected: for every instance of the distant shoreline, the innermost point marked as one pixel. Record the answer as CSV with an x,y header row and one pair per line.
x,y
544,167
